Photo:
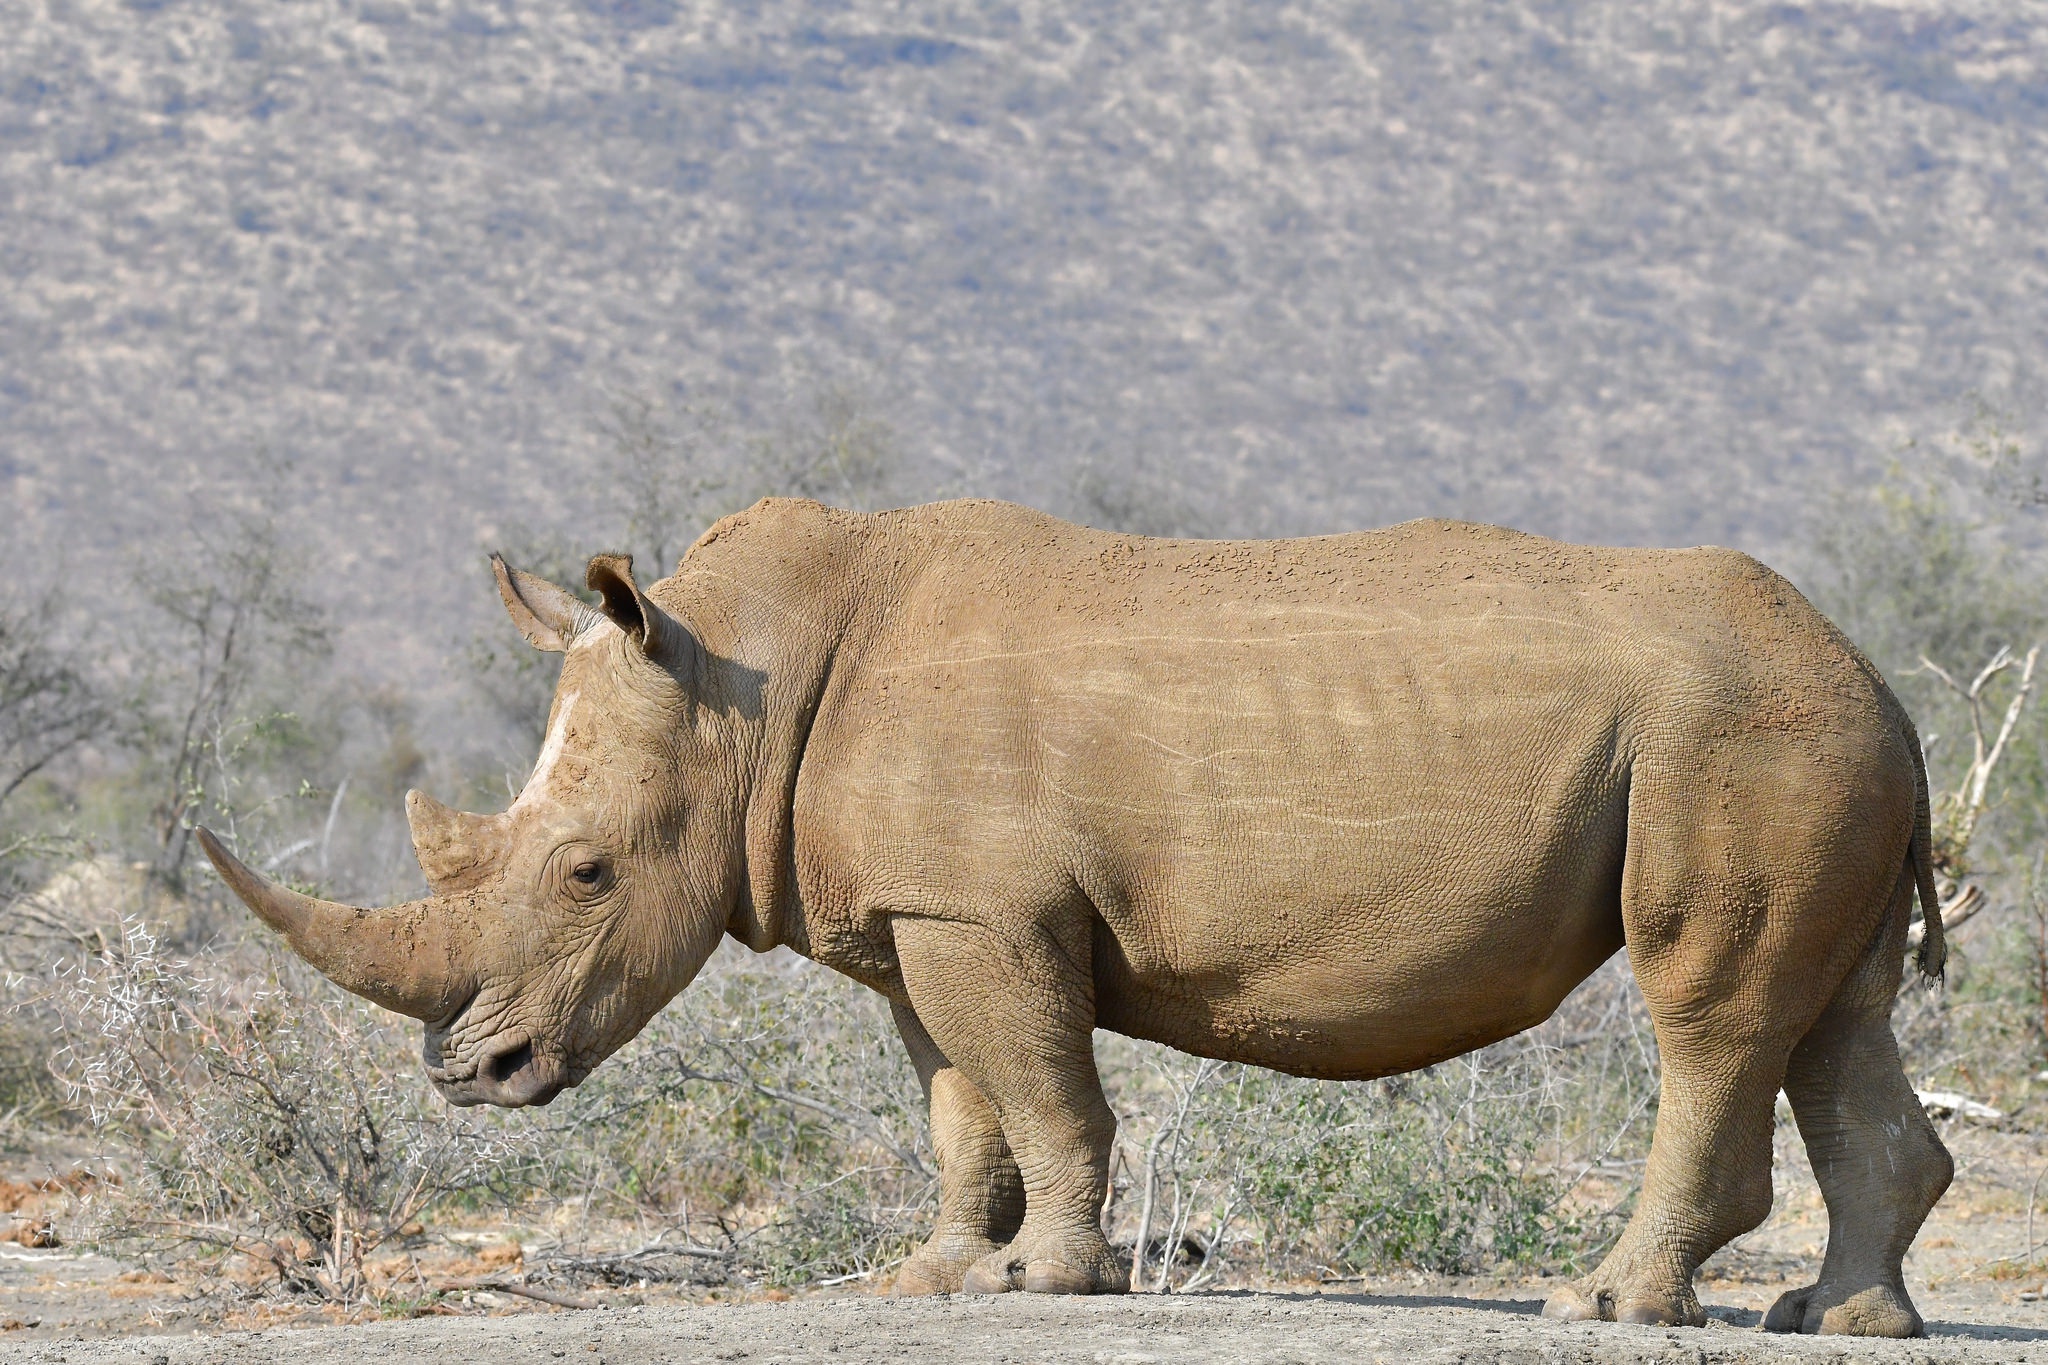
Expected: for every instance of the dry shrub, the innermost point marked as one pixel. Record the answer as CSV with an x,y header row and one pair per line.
x,y
1436,1171
259,1109
1477,1163
769,1115
1984,1033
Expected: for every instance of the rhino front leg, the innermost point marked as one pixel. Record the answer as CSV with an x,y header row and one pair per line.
x,y
981,1197
1012,1010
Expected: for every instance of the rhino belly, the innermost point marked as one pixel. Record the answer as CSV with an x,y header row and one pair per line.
x,y
1377,1018
1350,968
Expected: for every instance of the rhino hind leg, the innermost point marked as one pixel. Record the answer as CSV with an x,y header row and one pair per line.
x,y
1017,1020
1708,1180
1880,1165
981,1195
1726,1018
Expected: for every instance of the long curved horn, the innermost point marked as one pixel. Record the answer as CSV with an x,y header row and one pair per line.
x,y
410,958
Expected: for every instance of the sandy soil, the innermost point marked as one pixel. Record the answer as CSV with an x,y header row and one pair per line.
x,y
1970,1271
1239,1326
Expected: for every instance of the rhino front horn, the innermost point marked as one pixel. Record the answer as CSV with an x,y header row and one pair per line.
x,y
406,958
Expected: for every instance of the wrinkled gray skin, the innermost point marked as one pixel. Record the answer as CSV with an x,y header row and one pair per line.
x,y
1343,807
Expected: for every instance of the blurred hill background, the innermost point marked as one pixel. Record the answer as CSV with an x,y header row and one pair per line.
x,y
1667,273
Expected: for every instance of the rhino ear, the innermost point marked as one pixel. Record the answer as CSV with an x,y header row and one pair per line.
x,y
657,633
546,615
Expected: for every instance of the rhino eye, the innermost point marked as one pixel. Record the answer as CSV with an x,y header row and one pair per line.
x,y
587,873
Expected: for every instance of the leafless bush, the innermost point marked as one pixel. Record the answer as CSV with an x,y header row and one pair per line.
x,y
1957,812
258,1109
673,469
1479,1162
1988,1032
768,1115
48,705
230,633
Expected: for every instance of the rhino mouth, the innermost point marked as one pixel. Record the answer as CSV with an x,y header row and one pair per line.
x,y
506,1070
510,1073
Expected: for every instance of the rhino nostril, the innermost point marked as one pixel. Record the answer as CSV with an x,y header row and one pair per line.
x,y
503,1067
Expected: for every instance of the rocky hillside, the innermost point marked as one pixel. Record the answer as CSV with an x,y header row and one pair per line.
x,y
1647,273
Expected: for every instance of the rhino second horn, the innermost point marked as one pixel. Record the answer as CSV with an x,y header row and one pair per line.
x,y
405,958
454,848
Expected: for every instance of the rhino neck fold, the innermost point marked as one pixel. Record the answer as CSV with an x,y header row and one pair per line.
x,y
780,586
769,912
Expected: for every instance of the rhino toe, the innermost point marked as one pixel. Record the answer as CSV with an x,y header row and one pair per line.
x,y
1056,1277
1569,1305
1788,1314
941,1266
984,1278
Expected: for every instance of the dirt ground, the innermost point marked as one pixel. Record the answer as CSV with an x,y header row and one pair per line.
x,y
1225,1326
1971,1272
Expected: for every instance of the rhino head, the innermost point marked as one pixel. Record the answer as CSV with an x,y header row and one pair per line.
x,y
558,927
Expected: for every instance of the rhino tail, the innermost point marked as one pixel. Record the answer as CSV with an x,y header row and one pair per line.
x,y
1933,956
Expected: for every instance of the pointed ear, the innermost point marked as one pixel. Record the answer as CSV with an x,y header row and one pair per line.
x,y
656,632
546,615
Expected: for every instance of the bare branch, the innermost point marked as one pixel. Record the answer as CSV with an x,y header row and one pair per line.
x,y
2000,661
1957,812
47,705
1928,665
1989,760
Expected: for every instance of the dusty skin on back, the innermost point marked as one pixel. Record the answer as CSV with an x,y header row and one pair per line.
x,y
1342,806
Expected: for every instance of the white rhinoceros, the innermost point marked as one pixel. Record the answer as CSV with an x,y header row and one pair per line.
x,y
1342,807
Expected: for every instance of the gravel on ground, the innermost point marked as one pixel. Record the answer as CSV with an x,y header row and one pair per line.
x,y
1227,1326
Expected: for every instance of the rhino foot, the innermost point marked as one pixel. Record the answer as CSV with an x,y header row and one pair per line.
x,y
1880,1310
1584,1303
1050,1263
